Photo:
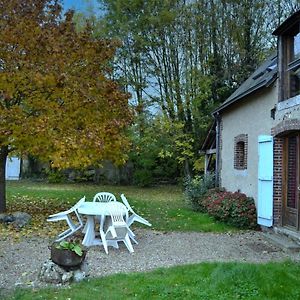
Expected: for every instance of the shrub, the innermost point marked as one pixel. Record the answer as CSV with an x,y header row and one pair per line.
x,y
55,176
233,208
196,189
143,178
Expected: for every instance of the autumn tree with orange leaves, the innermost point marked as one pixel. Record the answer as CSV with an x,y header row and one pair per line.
x,y
56,99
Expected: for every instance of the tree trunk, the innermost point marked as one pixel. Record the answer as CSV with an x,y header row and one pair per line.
x,y
96,178
187,169
3,157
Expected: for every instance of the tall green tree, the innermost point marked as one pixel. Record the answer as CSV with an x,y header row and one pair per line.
x,y
186,57
56,100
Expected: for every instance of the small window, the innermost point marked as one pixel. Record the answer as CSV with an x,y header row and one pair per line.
x,y
291,63
240,154
296,46
240,151
295,82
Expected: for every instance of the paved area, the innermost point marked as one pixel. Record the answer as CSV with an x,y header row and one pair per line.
x,y
20,262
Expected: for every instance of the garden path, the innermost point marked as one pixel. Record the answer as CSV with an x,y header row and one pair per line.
x,y
20,262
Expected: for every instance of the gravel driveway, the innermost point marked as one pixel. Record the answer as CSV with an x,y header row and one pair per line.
x,y
20,262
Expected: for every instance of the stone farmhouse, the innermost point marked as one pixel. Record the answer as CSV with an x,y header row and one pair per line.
x,y
257,135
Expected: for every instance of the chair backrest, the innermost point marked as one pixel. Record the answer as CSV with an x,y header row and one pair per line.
x,y
117,221
75,206
104,197
125,201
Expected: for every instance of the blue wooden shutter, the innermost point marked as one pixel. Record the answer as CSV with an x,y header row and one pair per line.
x,y
13,165
265,181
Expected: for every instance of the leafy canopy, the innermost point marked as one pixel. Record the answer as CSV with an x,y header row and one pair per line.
x,y
57,101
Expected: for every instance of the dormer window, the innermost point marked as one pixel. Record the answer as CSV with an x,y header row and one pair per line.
x,y
289,57
291,63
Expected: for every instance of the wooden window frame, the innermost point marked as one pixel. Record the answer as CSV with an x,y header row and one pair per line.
x,y
241,152
289,65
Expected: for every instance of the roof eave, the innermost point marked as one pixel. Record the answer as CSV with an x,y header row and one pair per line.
x,y
287,24
265,83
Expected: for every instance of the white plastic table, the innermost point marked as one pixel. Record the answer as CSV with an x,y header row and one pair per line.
x,y
102,209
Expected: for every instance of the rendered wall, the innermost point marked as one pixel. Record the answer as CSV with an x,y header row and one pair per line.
x,y
251,116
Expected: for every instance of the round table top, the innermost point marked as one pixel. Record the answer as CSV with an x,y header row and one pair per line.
x,y
100,208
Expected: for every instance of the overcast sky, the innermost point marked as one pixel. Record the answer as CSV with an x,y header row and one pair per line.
x,y
77,4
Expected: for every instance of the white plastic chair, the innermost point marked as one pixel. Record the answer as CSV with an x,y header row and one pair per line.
x,y
134,217
104,197
66,215
117,231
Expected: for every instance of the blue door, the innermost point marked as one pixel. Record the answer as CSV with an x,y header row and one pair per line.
x,y
13,168
265,181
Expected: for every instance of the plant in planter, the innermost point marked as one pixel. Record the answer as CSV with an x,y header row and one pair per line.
x,y
67,254
73,246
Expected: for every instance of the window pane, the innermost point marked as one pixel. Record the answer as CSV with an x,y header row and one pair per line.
x,y
296,46
295,83
240,159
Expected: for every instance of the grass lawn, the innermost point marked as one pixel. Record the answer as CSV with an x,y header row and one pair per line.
x,y
167,211
201,281
163,206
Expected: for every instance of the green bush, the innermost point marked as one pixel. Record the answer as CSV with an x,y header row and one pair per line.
x,y
232,208
143,178
196,189
55,176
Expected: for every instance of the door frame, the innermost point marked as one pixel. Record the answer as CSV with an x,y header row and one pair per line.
x,y
288,212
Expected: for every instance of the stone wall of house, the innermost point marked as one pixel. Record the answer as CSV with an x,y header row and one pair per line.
x,y
287,119
252,117
287,110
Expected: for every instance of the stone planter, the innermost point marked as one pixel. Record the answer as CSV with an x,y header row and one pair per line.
x,y
66,258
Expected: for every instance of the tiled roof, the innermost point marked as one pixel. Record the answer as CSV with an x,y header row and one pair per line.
x,y
264,76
